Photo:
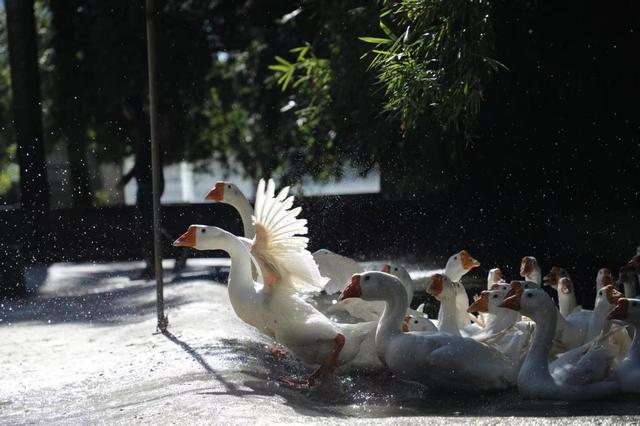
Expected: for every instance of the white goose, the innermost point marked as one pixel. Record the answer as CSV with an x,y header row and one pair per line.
x,y
530,270
371,311
554,275
414,320
338,269
603,278
457,266
418,323
568,334
275,308
567,302
497,319
630,277
503,329
628,281
444,291
494,277
628,372
595,360
438,359
534,378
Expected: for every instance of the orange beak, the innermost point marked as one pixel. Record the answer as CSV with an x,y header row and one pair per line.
x,y
512,298
620,311
606,278
188,239
386,268
352,289
437,285
468,262
216,193
481,304
613,295
405,323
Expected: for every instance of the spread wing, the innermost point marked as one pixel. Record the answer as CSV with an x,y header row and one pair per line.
x,y
279,245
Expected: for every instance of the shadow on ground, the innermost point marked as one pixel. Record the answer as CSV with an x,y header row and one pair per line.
x,y
99,296
375,394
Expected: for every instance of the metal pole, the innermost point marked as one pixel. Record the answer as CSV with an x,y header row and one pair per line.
x,y
155,163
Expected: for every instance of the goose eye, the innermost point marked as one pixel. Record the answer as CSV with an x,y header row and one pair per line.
x,y
228,186
633,303
495,296
366,278
455,258
529,295
395,269
203,231
600,293
415,321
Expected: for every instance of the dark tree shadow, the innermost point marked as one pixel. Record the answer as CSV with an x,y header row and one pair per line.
x,y
378,394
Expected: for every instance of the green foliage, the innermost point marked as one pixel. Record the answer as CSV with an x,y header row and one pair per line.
x,y
8,169
233,84
434,64
310,77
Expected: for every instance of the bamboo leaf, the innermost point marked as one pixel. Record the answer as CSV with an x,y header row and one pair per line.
x,y
375,40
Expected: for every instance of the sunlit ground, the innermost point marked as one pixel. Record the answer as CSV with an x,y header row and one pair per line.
x,y
83,351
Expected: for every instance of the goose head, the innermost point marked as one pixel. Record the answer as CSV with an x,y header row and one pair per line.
x,y
532,302
441,287
530,270
224,192
494,277
627,310
504,286
633,265
489,300
202,237
374,285
481,304
522,285
565,286
401,273
603,278
554,275
607,296
416,323
459,264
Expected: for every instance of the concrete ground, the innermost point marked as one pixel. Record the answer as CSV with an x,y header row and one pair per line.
x,y
84,350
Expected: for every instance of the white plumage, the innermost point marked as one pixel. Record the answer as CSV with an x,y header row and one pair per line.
x,y
279,245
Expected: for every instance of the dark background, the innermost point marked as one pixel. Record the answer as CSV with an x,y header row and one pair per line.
x,y
551,171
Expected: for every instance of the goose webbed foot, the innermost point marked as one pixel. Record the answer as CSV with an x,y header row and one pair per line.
x,y
279,352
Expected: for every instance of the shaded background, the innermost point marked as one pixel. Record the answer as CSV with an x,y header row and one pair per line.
x,y
515,133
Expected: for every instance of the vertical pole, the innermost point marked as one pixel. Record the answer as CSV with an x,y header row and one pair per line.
x,y
155,163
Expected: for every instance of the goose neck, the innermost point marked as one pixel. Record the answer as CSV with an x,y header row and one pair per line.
x,y
390,324
567,303
536,367
241,285
448,322
242,205
634,349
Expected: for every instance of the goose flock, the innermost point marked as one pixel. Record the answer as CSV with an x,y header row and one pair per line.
x,y
511,335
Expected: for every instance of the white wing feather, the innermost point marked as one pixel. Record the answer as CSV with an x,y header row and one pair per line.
x,y
279,243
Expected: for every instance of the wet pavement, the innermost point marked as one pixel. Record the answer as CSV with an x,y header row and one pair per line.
x,y
84,351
